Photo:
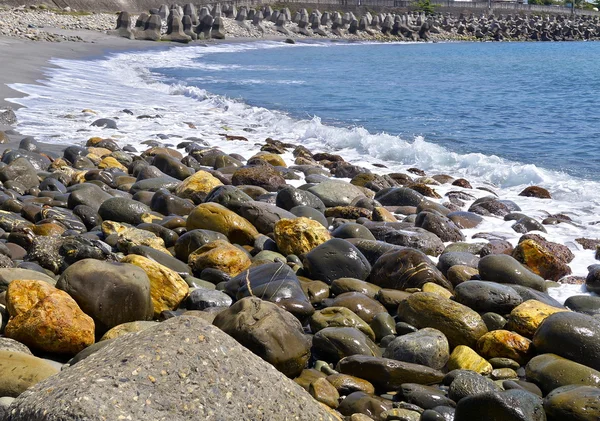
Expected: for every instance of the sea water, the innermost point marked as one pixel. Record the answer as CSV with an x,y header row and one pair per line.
x,y
502,115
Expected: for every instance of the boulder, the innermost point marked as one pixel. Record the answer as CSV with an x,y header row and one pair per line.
x,y
549,371
335,259
465,358
426,347
573,403
290,197
21,171
540,260
505,269
167,287
505,344
527,317
215,217
485,297
123,28
460,324
334,343
571,335
406,268
7,275
46,318
509,405
165,377
299,235
197,186
19,372
111,293
264,176
263,216
269,331
336,193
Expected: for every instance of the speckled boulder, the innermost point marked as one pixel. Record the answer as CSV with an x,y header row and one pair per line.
x,y
171,384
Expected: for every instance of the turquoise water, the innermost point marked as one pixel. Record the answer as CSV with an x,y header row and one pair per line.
x,y
531,103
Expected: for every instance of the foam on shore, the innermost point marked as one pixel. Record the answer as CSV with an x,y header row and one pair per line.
x,y
53,114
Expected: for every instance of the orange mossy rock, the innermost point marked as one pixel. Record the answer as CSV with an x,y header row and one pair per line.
x,y
46,318
300,235
219,255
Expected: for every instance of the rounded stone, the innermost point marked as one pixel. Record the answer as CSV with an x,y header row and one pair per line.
x,y
19,371
505,344
527,317
336,259
505,269
339,317
299,236
549,371
215,217
573,403
334,343
510,405
465,358
485,297
220,255
364,307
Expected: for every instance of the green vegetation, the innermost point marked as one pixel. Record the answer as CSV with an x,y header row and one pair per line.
x,y
425,6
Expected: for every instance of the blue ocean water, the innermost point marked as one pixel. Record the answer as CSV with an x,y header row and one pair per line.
x,y
532,103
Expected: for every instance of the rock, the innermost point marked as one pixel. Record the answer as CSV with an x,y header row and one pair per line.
x,y
352,230
426,397
46,318
407,236
465,383
120,209
308,376
464,358
460,324
532,294
274,282
549,371
268,331
386,374
458,274
334,343
505,344
111,293
264,176
441,226
19,371
364,307
585,304
21,171
229,196
290,197
170,381
571,335
527,317
400,196
540,261
510,405
573,403
215,217
263,216
370,407
406,268
536,191
129,237
448,259
201,299
167,287
465,219
7,344
592,282
485,297
197,186
194,239
339,317
341,285
346,384
7,275
505,269
336,193
125,328
427,347
334,259
220,255
324,392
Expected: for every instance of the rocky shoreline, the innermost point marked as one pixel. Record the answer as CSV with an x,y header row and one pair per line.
x,y
359,286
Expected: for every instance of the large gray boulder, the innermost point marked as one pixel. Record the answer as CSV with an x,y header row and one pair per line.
x,y
123,28
180,370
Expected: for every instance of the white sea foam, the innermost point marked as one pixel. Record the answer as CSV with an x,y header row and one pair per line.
x,y
53,113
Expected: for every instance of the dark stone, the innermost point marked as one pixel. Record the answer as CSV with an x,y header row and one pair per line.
x,y
452,258
105,123
201,299
310,213
486,297
468,383
168,204
441,226
335,259
399,196
585,304
505,269
120,209
510,405
334,343
290,197
229,196
263,216
426,397
426,346
193,240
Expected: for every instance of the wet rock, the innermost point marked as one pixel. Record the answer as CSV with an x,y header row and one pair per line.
x,y
264,176
505,269
427,347
263,216
324,392
341,285
489,206
468,383
194,239
352,230
460,324
334,343
458,274
571,335
465,358
400,196
120,209
215,217
426,397
290,197
364,307
197,186
339,317
441,226
346,384
527,224
540,261
453,258
268,331
220,255
592,281
336,193
362,403
387,374
571,403
536,191
517,405
584,304
406,268
129,237
527,317
505,344
7,275
465,219
21,171
549,371
111,293
336,259
484,297
229,196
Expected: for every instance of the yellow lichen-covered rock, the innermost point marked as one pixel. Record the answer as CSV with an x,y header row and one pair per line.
x,y
110,162
324,392
167,288
219,255
299,235
383,215
19,371
93,141
215,217
436,289
101,152
130,237
540,260
126,328
271,158
505,344
199,182
526,317
46,318
465,358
